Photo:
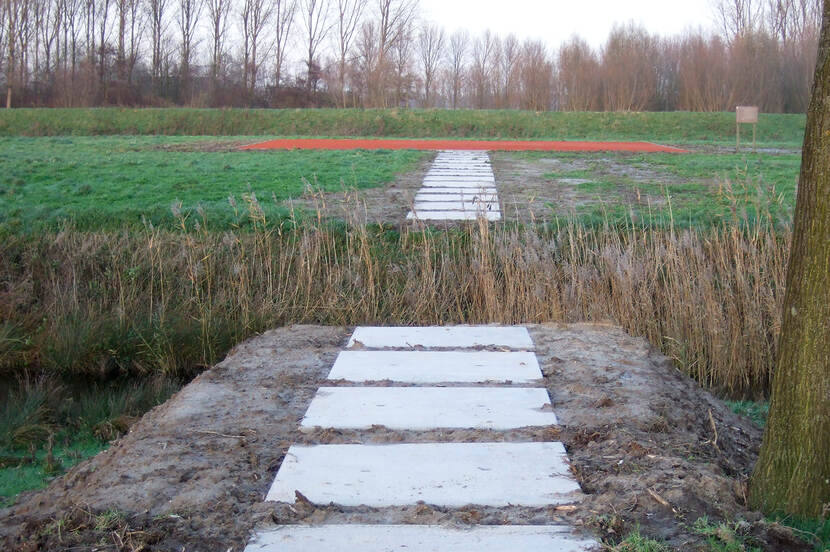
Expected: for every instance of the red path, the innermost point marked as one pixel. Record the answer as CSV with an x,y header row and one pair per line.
x,y
482,145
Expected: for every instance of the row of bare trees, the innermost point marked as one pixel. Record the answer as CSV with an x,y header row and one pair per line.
x,y
378,53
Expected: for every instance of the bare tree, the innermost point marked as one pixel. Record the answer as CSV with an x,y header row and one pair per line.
x,y
284,12
349,13
4,5
315,18
157,11
218,12
736,17
15,19
188,20
536,76
579,78
130,27
402,68
394,19
508,62
102,14
483,52
628,70
255,15
431,46
366,60
459,44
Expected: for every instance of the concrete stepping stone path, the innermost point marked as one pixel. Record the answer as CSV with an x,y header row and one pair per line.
x,y
431,367
419,538
438,337
427,408
442,474
476,378
459,186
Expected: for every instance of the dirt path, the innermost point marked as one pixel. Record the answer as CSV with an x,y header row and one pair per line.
x,y
194,472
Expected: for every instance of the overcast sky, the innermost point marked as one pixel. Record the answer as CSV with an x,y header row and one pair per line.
x,y
555,21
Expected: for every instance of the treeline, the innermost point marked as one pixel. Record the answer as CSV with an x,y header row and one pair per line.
x,y
380,53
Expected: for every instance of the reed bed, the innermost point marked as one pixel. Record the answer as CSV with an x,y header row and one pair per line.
x,y
175,301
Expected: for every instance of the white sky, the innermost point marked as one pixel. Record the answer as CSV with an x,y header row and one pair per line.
x,y
555,21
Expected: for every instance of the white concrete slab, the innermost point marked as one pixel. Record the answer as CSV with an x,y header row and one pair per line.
x,y
466,198
471,185
426,408
459,171
431,367
443,474
468,191
441,337
464,179
419,538
453,215
455,206
462,166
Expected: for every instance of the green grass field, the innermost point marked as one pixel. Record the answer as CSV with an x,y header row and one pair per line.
x,y
676,127
685,190
108,182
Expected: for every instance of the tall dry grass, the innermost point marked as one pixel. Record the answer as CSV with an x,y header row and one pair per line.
x,y
175,301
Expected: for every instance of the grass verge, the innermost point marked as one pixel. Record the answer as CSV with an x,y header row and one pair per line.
x,y
675,127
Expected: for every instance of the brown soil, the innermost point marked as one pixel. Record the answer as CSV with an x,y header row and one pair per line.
x,y
209,146
527,195
649,447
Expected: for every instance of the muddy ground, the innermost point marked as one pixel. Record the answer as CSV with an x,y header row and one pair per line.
x,y
650,448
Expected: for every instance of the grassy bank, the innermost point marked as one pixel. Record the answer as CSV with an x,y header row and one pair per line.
x,y
677,127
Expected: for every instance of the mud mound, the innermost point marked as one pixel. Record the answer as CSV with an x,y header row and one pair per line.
x,y
649,447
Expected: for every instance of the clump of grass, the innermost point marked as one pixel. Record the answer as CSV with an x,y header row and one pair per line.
x,y
726,537
635,542
28,415
47,427
755,411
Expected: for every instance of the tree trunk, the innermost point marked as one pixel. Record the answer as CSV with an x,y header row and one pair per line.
x,y
793,472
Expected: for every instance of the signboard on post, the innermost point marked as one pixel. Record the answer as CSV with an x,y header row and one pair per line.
x,y
746,115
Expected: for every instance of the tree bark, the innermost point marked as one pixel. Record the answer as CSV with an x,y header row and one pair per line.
x,y
792,475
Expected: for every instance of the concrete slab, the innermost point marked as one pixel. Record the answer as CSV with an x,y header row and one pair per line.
x,y
461,171
466,198
453,215
464,179
473,206
419,538
481,190
431,367
427,408
443,474
441,337
471,185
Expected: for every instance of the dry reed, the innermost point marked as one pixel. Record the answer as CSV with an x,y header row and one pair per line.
x,y
175,301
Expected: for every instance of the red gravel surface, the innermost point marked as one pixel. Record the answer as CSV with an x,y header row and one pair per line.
x,y
483,145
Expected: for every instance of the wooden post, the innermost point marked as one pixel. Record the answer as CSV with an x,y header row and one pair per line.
x,y
754,128
738,134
